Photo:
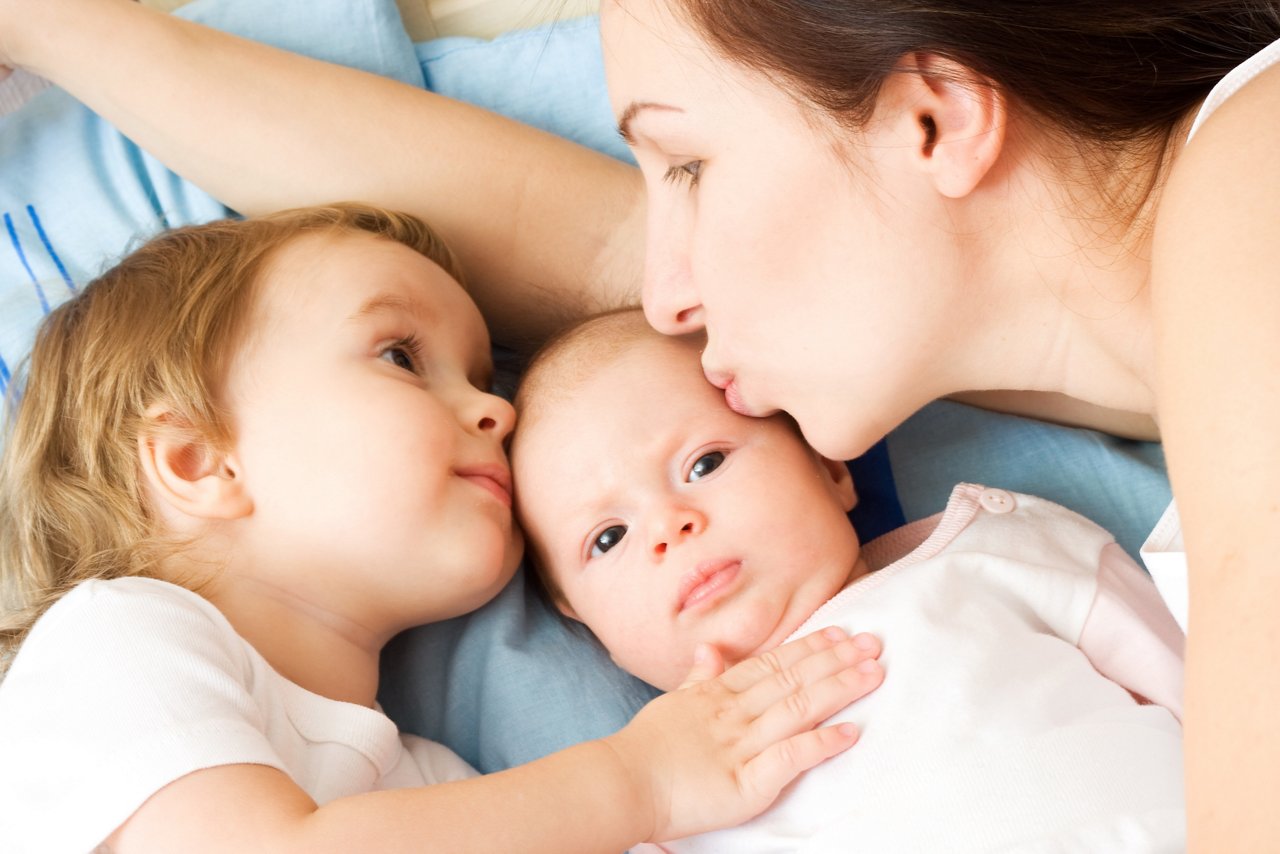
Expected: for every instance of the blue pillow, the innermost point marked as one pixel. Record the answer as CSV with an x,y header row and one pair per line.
x,y
76,194
551,77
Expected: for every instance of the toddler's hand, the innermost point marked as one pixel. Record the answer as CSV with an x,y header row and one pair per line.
x,y
718,751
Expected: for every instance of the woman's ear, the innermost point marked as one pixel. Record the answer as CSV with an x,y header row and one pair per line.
x,y
189,475
956,117
841,482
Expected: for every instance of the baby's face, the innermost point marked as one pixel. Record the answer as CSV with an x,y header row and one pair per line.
x,y
371,452
667,519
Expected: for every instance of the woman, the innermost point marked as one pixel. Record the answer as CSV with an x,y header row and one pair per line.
x,y
960,200
932,199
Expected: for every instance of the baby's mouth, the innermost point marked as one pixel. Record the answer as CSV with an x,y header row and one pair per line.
x,y
704,584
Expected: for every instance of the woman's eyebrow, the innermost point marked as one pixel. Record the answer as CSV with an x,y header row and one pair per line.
x,y
635,107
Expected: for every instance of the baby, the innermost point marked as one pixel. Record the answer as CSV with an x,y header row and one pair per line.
x,y
1034,676
245,458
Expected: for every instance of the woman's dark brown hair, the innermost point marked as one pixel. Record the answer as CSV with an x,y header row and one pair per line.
x,y
1108,72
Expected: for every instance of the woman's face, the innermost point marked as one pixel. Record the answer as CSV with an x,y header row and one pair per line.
x,y
796,243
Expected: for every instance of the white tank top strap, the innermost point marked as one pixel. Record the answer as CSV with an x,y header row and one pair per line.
x,y
1234,81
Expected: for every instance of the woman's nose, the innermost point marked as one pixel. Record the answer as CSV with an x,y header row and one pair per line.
x,y
671,303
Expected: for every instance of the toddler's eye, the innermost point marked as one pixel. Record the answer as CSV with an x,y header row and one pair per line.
x,y
403,354
705,465
608,538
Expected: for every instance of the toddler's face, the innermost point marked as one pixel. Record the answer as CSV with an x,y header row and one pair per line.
x,y
668,519
369,446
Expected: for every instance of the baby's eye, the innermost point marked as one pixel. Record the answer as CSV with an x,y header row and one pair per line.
x,y
608,538
705,465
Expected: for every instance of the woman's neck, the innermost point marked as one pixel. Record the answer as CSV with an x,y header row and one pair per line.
x,y
1067,281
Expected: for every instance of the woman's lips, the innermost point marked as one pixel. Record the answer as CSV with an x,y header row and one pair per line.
x,y
728,383
707,582
733,398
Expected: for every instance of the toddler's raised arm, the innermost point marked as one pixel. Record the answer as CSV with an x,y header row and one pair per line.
x,y
711,754
546,229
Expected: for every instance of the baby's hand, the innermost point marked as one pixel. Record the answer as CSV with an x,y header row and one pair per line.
x,y
718,751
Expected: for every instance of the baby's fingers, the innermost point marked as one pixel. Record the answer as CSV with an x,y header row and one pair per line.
x,y
764,776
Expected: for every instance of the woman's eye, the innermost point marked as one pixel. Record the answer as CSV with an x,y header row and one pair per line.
x,y
688,172
705,465
607,539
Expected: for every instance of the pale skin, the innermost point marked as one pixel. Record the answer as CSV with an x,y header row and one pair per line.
x,y
358,337
1169,320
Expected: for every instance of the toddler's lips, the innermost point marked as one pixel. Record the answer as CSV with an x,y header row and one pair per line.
x,y
706,583
493,479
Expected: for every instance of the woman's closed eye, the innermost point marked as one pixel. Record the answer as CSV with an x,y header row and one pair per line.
x,y
705,465
686,172
405,353
607,539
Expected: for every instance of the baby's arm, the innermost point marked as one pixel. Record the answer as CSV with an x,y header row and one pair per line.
x,y
712,754
546,229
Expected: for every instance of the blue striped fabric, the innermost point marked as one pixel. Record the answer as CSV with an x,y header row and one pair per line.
x,y
75,194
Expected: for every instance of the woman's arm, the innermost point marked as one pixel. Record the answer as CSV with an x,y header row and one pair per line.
x,y
1216,296
712,754
546,229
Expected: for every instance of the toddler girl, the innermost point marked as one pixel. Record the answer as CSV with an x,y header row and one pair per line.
x,y
246,457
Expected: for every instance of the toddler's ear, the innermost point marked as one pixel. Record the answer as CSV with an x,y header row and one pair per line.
x,y
841,483
188,474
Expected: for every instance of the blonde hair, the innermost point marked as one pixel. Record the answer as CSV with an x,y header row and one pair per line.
x,y
158,328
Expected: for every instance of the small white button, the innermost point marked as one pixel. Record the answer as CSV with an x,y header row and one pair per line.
x,y
996,501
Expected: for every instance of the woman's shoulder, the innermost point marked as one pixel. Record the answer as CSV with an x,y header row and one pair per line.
x,y
1224,183
1259,67
1233,132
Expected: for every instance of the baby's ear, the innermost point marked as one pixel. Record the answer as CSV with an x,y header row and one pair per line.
x,y
187,473
841,482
